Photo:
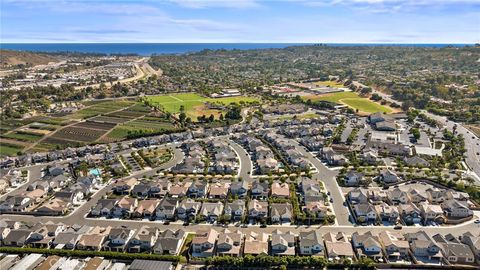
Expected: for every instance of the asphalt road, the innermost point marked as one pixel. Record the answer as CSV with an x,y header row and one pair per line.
x,y
246,165
328,178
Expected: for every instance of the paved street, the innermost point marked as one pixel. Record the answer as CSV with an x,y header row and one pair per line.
x,y
246,165
328,177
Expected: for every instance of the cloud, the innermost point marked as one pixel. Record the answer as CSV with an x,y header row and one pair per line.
x,y
391,6
238,4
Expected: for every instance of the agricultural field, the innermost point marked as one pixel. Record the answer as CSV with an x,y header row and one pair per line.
x,y
145,126
8,149
101,108
86,132
194,104
353,100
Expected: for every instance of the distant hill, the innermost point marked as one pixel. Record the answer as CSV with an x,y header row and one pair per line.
x,y
14,58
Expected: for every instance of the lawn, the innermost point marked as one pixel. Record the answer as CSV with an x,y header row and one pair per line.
x,y
193,103
365,105
333,84
352,100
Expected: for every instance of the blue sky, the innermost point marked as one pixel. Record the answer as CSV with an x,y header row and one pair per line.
x,y
296,21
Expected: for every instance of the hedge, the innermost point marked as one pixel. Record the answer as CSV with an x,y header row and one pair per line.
x,y
88,253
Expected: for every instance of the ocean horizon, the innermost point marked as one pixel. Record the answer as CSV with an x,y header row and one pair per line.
x,y
147,49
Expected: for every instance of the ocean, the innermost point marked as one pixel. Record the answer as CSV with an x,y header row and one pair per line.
x,y
147,49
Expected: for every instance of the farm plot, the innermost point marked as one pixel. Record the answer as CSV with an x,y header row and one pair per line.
x,y
141,126
102,108
9,149
88,131
23,136
109,119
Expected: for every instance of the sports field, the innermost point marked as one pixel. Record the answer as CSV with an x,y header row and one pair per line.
x,y
194,104
353,100
332,84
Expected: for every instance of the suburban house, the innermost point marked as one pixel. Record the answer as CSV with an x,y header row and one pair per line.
x,y
219,190
388,176
367,245
239,189
143,239
166,209
283,243
146,208
338,246
256,244
394,245
211,211
311,243
423,247
365,213
353,178
117,239
235,210
260,190
456,209
229,243
103,208
257,209
280,190
188,209
170,242
203,244
453,250
281,213
198,189
473,241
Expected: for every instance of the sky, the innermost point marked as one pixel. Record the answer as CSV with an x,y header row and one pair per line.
x,y
234,21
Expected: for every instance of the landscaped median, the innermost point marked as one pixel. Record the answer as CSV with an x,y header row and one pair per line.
x,y
89,253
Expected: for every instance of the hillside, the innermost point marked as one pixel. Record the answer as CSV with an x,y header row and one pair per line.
x,y
14,58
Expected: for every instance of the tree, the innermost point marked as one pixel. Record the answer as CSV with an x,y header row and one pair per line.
x,y
211,118
182,117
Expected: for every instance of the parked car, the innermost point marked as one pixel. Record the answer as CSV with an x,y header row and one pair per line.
x,y
397,227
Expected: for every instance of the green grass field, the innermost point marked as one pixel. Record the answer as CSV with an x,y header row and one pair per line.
x,y
365,105
193,102
333,84
352,100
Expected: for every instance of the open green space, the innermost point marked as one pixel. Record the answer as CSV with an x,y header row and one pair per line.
x,y
7,149
351,99
172,103
333,84
365,105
